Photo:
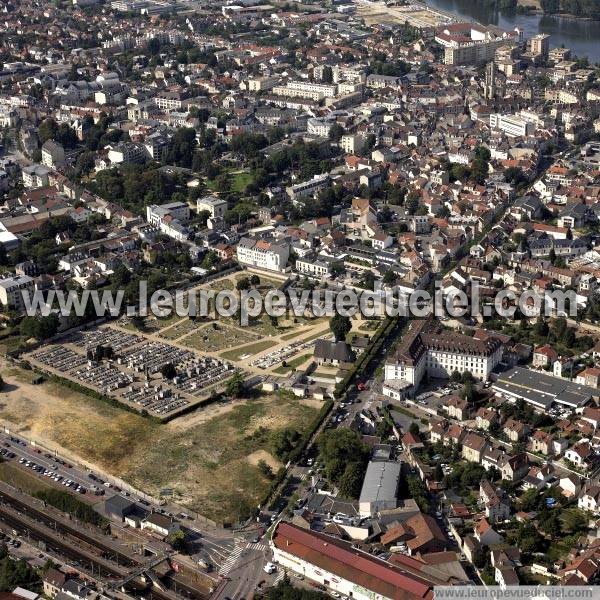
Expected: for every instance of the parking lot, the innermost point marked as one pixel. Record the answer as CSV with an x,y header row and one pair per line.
x,y
129,367
276,357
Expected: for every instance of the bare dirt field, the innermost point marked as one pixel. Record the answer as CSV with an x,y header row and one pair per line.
x,y
209,458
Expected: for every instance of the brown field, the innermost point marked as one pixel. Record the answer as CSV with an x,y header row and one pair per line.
x,y
208,458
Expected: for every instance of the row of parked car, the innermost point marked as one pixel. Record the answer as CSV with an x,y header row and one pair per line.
x,y
53,474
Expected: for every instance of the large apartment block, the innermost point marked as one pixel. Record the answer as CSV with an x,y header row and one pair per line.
x,y
262,254
12,290
427,350
306,89
471,43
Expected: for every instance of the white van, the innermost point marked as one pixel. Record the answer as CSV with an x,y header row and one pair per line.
x,y
270,568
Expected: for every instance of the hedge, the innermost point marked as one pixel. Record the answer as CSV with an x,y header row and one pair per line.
x,y
70,504
298,450
367,356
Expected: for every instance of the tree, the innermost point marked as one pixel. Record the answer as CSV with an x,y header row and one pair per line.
x,y
255,280
414,428
351,480
530,540
210,260
455,377
468,392
40,328
367,281
340,327
549,522
574,521
16,573
481,558
389,277
336,447
265,469
282,442
243,284
235,386
183,147
467,377
418,493
84,164
177,541
168,371
154,46
327,76
336,132
285,591
48,130
541,327
412,202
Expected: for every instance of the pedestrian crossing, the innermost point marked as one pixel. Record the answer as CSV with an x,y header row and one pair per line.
x,y
280,576
228,565
260,547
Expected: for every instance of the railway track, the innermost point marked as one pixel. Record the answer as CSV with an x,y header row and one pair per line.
x,y
38,514
53,541
86,551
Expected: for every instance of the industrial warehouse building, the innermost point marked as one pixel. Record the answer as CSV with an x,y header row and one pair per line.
x,y
380,487
542,390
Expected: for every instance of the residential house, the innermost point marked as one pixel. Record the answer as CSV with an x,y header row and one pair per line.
x,y
485,534
589,498
160,524
541,442
581,455
515,430
473,447
544,356
53,582
514,467
485,418
570,485
495,501
333,353
505,560
457,408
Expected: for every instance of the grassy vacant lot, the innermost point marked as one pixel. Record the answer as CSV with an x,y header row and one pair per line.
x,y
207,457
22,479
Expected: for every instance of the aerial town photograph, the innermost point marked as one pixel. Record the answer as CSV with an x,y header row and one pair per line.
x,y
299,299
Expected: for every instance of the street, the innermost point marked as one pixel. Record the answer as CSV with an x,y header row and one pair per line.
x,y
217,545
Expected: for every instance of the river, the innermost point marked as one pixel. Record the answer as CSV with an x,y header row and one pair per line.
x,y
579,35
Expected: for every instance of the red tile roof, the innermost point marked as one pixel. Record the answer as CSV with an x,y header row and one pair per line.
x,y
341,559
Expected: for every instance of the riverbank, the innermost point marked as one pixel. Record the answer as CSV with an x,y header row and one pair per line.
x,y
534,7
579,34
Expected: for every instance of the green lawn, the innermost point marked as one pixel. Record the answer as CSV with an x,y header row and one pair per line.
x,y
22,480
239,181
